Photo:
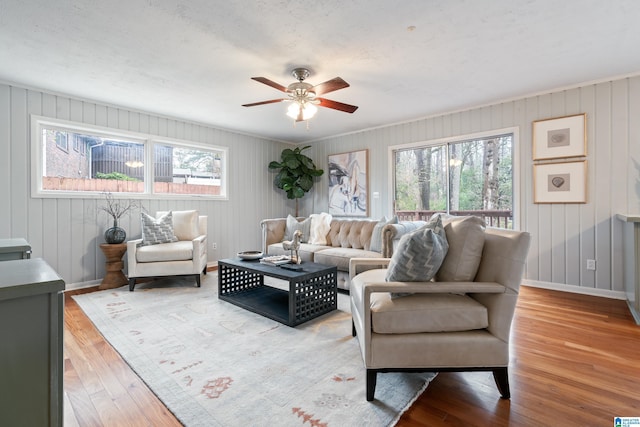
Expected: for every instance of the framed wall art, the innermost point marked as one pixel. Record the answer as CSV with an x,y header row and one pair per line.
x,y
560,182
560,137
349,184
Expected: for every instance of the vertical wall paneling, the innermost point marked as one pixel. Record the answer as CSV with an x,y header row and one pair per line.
x,y
67,232
564,235
19,161
5,156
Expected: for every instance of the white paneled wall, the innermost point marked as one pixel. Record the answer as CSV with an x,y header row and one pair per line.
x,y
67,232
564,235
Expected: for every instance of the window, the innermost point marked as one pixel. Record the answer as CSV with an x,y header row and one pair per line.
x,y
122,162
461,177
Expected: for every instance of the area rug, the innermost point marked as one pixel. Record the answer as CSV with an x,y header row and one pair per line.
x,y
215,364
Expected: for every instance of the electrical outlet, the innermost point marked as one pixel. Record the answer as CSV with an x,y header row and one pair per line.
x,y
591,264
214,246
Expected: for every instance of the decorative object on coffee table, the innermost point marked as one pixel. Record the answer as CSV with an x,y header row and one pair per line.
x,y
114,278
293,246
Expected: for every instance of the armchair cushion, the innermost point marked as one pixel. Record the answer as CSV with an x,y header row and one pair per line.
x,y
156,231
465,236
419,254
174,251
185,224
446,313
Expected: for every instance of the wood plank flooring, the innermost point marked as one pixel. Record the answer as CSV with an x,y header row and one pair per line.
x,y
575,361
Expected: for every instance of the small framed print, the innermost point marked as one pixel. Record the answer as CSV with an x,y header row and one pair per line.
x,y
560,137
560,182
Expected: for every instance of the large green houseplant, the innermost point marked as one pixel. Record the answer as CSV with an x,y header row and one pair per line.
x,y
296,173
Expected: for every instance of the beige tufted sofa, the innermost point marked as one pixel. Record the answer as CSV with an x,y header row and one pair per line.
x,y
347,238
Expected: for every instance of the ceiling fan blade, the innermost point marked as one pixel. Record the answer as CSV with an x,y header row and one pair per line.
x,y
271,101
271,83
337,105
329,86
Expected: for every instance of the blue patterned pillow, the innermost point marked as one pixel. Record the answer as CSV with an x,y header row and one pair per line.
x,y
376,234
155,231
419,254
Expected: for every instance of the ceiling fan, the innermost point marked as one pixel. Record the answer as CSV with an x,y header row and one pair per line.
x,y
304,97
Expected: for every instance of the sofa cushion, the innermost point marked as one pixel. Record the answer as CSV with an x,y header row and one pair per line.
x,y
465,236
419,254
306,251
376,234
293,224
185,224
320,226
446,313
340,257
350,233
157,230
175,251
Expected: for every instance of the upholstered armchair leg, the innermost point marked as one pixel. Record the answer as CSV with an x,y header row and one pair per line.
x,y
372,376
198,280
353,329
501,376
132,283
204,270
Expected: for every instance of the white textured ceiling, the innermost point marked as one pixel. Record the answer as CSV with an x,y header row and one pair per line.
x,y
404,59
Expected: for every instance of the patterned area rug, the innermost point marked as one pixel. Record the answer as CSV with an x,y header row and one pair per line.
x,y
215,364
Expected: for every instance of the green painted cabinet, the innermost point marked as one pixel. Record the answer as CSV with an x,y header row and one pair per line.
x,y
14,249
31,344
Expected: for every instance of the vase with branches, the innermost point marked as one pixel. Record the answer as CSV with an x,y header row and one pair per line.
x,y
116,209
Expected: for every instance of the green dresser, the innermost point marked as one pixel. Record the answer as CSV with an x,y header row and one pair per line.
x,y
31,344
14,249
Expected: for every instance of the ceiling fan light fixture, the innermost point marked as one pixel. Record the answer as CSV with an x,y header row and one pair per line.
x,y
308,110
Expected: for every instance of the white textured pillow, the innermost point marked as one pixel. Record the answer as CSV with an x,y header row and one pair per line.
x,y
185,224
419,254
157,230
320,226
293,224
465,235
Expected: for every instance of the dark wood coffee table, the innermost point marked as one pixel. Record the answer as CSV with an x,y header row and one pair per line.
x,y
312,291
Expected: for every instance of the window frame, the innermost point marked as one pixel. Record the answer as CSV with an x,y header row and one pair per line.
x,y
515,131
38,123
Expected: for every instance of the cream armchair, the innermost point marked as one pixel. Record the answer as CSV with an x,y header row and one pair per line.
x,y
185,257
441,326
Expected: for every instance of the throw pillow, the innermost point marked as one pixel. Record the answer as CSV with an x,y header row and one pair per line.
x,y
293,224
376,235
465,235
320,226
419,254
155,231
185,224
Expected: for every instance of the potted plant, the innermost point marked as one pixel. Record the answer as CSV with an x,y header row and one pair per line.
x,y
116,209
296,173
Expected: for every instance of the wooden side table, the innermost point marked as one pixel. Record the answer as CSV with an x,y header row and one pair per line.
x,y
114,264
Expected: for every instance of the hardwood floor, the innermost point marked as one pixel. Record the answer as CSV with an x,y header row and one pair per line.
x,y
575,361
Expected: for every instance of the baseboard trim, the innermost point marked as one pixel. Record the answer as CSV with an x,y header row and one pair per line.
x,y
82,285
605,293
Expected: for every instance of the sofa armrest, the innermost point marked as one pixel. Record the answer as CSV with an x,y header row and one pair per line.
x,y
272,231
391,234
132,246
355,262
435,287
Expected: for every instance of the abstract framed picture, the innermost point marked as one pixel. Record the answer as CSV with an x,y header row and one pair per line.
x,y
560,182
349,184
560,137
